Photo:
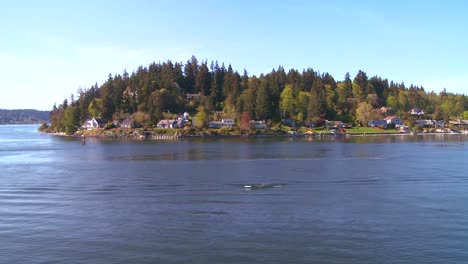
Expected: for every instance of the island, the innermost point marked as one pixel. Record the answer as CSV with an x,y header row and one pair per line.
x,y
173,99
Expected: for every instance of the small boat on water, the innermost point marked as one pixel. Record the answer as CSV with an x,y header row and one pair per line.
x,y
262,186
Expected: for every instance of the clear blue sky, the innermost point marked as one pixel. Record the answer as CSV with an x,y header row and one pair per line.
x,y
49,49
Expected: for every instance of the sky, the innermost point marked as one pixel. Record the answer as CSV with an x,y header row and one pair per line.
x,y
49,49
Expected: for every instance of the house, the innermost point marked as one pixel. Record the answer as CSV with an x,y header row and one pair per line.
x,y
393,120
377,123
93,123
334,124
386,110
440,123
460,124
423,123
181,120
127,122
311,124
258,124
223,123
430,123
191,96
347,125
167,123
417,111
404,129
288,122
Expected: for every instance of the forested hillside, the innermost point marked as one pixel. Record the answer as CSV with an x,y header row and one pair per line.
x,y
23,116
211,87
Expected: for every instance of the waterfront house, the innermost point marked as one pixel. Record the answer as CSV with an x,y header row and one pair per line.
x,y
430,123
440,123
127,122
404,129
93,123
393,120
167,123
227,122
417,111
461,125
288,122
181,121
258,124
377,123
334,124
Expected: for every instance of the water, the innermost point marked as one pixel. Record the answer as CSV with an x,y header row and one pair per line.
x,y
381,199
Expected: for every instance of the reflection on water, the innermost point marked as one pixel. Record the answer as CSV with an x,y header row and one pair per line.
x,y
377,199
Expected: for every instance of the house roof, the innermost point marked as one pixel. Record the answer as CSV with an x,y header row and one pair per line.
x,y
390,117
126,121
166,120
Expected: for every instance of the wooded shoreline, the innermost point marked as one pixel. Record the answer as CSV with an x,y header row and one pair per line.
x,y
140,134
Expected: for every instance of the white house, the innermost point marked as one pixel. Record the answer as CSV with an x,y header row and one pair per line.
x,y
223,123
393,120
92,124
258,124
167,123
430,123
417,111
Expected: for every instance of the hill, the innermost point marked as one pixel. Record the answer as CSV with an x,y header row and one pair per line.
x,y
23,116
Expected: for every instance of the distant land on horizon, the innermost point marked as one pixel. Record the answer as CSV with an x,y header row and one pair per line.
x,y
23,116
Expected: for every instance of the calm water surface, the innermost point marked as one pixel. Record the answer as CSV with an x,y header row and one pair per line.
x,y
394,199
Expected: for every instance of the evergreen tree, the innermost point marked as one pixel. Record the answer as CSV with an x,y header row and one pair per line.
x,y
70,121
263,101
317,102
203,80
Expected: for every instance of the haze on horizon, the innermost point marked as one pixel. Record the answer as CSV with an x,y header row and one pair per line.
x,y
52,48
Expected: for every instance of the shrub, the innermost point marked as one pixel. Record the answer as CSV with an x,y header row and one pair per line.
x,y
44,127
109,125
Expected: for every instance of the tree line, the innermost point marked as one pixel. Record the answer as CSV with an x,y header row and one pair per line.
x,y
23,116
201,87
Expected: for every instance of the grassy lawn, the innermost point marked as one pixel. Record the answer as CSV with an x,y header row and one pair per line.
x,y
362,130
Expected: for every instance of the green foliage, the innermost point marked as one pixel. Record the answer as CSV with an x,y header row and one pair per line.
x,y
201,118
95,108
358,93
263,106
392,102
303,100
109,125
317,102
70,120
43,127
465,115
287,103
363,113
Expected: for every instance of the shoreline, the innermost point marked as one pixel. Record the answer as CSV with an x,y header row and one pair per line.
x,y
150,136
